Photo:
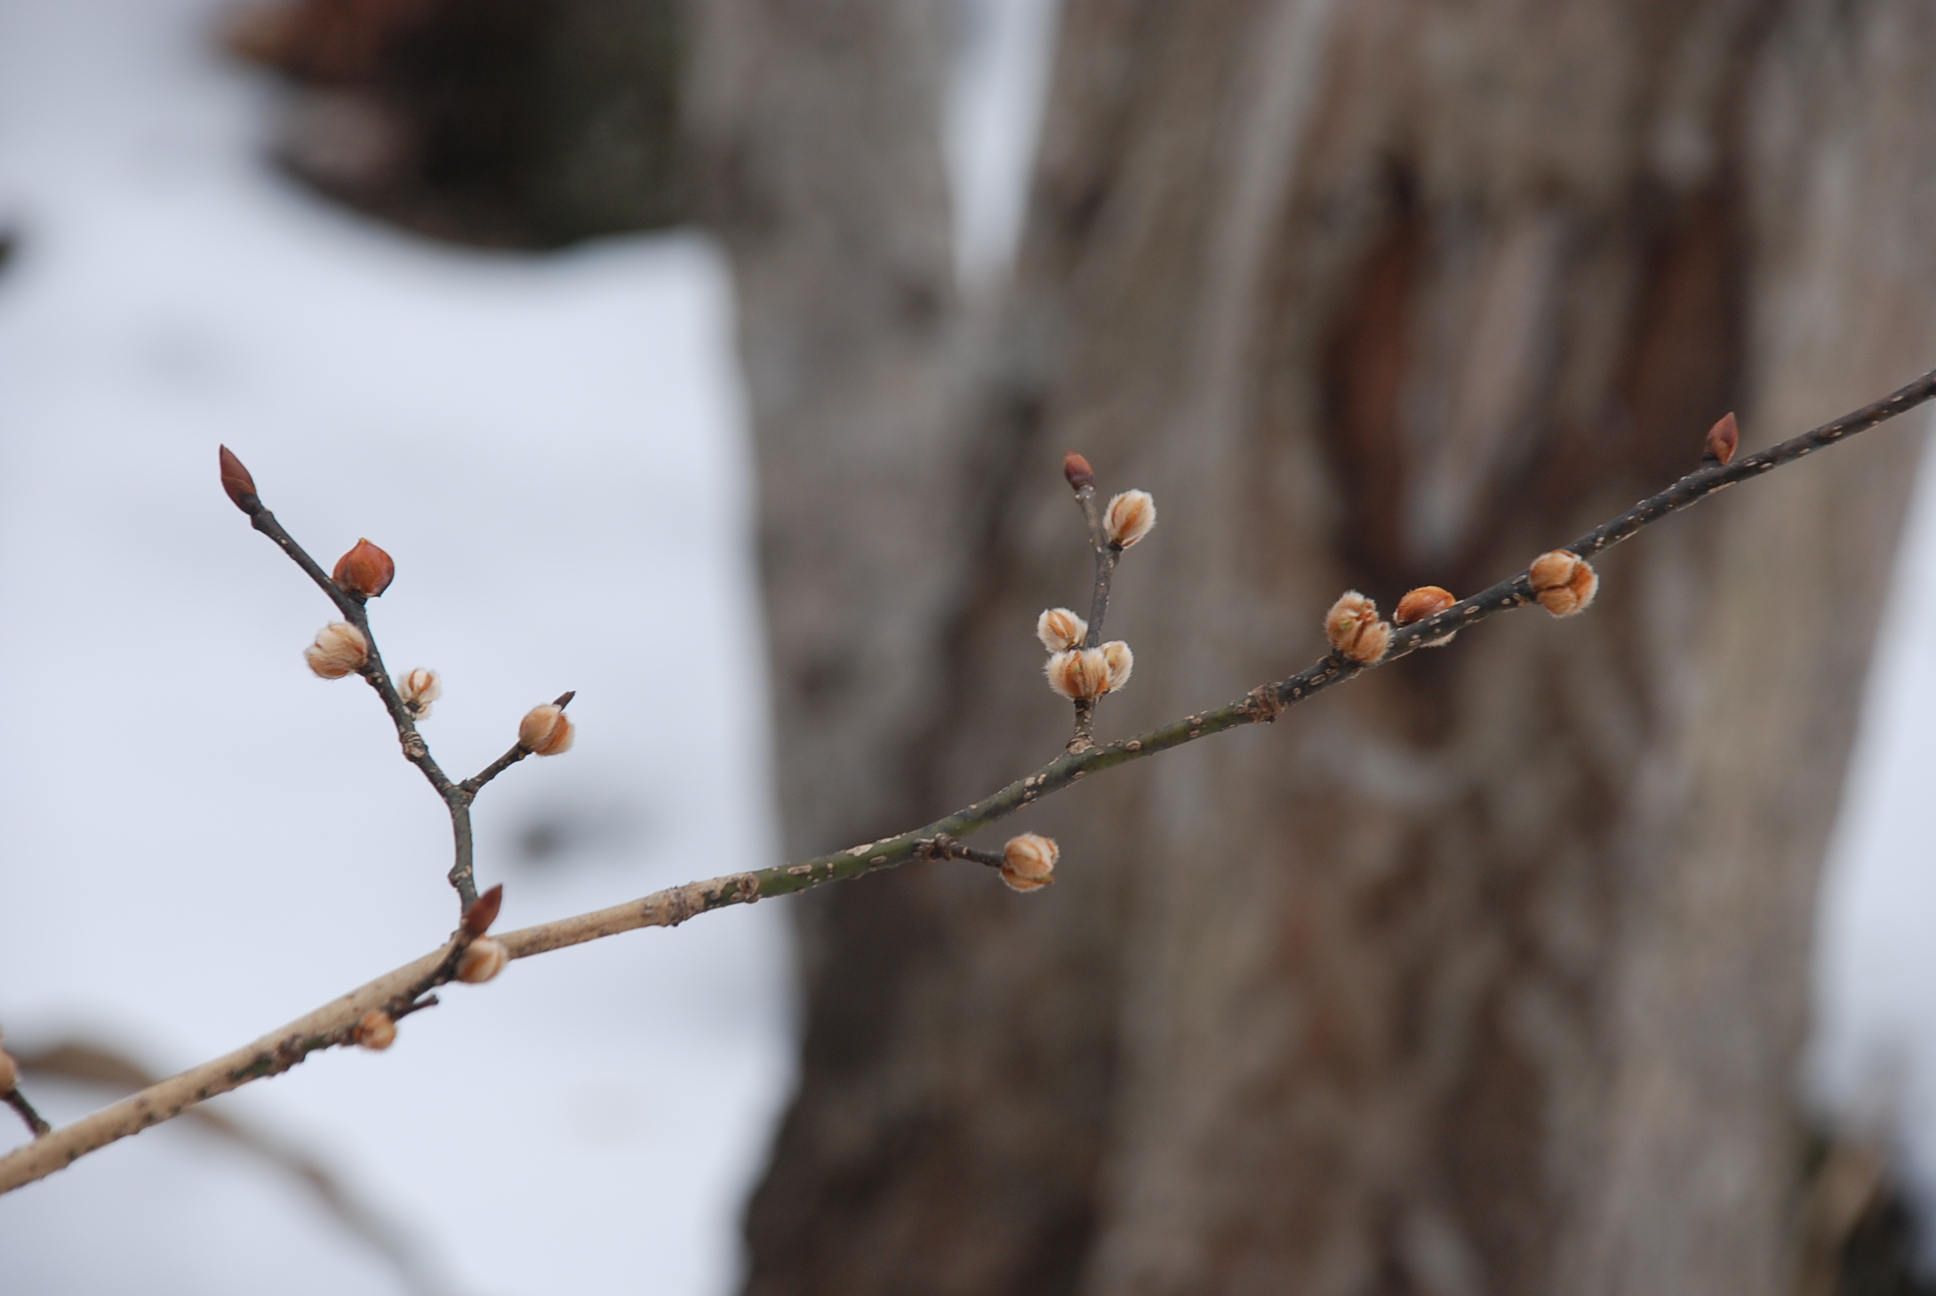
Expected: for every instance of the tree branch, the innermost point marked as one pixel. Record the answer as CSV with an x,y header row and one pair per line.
x,y
403,990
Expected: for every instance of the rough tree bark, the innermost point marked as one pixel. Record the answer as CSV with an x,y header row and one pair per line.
x,y
1488,972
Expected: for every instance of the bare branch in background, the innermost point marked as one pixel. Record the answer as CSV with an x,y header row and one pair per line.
x,y
1561,581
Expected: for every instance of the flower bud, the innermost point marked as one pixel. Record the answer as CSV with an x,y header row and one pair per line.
x,y
1059,629
481,960
340,649
1028,861
376,1031
483,911
1723,439
1129,518
1079,675
1353,627
418,689
1077,472
1119,660
1563,582
365,570
545,730
1425,601
9,1073
237,482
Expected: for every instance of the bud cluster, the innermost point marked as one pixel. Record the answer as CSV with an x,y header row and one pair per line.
x,y
1563,582
1355,630
1084,674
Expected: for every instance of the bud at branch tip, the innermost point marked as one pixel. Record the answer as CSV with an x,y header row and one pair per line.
x,y
1077,471
1028,862
237,482
545,730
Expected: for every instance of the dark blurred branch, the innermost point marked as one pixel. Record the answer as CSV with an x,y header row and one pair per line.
x,y
401,990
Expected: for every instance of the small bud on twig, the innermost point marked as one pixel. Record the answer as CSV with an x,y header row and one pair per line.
x,y
481,960
1080,674
1130,517
376,1031
340,649
1425,601
9,1073
483,911
1723,439
365,571
1563,582
1077,470
419,688
1028,861
545,730
237,482
1120,661
1059,629
1353,627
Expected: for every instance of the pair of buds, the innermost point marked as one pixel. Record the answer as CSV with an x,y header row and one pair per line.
x,y
1077,673
483,958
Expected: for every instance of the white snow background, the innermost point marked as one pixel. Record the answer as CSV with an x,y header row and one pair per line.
x,y
198,840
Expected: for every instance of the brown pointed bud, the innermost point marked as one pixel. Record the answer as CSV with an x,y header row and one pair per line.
x,y
483,911
1563,582
376,1031
1723,439
1077,471
340,649
1119,661
365,570
1059,629
481,960
1130,517
9,1073
1425,601
419,688
237,482
545,731
1353,627
1028,862
1080,674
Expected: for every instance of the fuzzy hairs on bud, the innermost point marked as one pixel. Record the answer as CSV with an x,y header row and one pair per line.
x,y
1120,661
1028,862
545,730
1080,675
1129,518
419,688
1059,629
481,960
377,1031
340,649
1563,582
1353,627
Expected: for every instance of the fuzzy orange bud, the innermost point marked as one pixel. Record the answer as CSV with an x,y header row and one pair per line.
x,y
1059,629
1723,439
1079,675
481,960
1028,861
376,1031
1120,661
1563,582
340,649
419,688
365,570
483,911
545,730
1417,605
1076,470
1353,627
237,482
1129,518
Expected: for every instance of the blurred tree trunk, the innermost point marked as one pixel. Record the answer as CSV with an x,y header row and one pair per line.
x,y
1487,974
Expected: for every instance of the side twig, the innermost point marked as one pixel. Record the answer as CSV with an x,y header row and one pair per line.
x,y
404,988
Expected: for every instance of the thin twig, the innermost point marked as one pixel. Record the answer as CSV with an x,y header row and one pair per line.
x,y
18,1101
1106,556
335,1023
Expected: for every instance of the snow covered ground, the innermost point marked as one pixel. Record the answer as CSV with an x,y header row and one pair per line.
x,y
198,839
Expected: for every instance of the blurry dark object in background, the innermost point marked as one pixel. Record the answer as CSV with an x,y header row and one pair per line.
x,y
508,123
8,241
